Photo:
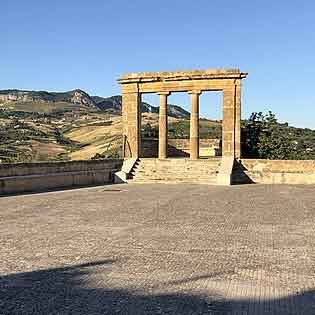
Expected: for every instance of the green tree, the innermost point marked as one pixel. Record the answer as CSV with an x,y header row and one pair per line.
x,y
263,137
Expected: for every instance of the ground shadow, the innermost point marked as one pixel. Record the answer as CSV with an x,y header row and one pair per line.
x,y
69,290
239,175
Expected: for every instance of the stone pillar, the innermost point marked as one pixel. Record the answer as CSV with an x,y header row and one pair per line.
x,y
131,116
231,132
194,125
238,111
163,130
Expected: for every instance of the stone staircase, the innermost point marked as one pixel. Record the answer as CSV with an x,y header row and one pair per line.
x,y
175,170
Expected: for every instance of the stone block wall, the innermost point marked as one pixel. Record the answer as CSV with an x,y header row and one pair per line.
x,y
180,148
207,147
41,176
274,171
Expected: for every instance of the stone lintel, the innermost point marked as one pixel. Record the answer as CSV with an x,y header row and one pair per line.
x,y
164,93
182,75
198,92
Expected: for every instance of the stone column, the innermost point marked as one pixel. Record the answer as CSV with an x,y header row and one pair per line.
x,y
231,132
194,125
238,111
131,117
163,130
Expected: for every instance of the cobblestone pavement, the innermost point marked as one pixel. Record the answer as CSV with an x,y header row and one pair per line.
x,y
159,249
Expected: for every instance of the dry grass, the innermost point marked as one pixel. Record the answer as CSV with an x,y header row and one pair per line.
x,y
48,150
97,138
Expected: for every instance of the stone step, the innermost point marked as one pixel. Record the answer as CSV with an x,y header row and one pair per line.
x,y
179,164
163,168
169,168
174,181
163,174
183,171
171,179
162,162
174,176
175,170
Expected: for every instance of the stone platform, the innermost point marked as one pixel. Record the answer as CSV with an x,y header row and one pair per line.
x,y
159,249
176,170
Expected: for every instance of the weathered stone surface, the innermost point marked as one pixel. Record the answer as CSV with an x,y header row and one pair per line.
x,y
183,75
274,171
159,249
163,126
225,171
226,80
194,125
174,170
207,147
31,177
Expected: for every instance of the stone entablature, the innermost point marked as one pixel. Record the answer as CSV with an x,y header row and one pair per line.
x,y
182,75
193,82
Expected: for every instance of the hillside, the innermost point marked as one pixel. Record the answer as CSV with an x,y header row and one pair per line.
x,y
74,125
42,101
40,125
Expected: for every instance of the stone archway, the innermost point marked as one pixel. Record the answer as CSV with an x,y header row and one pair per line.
x,y
194,82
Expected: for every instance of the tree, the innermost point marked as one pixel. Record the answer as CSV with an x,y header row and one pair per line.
x,y
263,137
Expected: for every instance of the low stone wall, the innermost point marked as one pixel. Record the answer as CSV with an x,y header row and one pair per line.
x,y
274,171
207,147
203,143
180,148
41,176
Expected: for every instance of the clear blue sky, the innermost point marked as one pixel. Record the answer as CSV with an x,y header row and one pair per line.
x,y
60,45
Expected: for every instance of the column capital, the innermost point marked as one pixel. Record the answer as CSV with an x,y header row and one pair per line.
x,y
198,92
164,93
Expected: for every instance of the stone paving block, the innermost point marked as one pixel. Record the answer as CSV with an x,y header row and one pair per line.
x,y
159,249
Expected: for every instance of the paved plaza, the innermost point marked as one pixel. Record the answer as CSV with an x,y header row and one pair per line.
x,y
159,249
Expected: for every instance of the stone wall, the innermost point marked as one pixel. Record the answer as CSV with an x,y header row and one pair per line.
x,y
31,177
180,148
274,171
203,143
207,147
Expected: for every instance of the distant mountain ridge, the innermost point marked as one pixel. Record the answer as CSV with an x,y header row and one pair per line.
x,y
80,97
76,96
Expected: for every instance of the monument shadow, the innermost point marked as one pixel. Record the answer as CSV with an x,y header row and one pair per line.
x,y
66,291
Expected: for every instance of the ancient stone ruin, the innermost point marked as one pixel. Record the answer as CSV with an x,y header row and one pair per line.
x,y
193,82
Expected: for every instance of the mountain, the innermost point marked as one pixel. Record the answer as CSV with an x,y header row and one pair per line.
x,y
41,125
76,97
113,104
68,99
44,126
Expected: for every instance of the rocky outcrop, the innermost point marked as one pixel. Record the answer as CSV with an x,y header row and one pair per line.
x,y
75,96
24,96
82,98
